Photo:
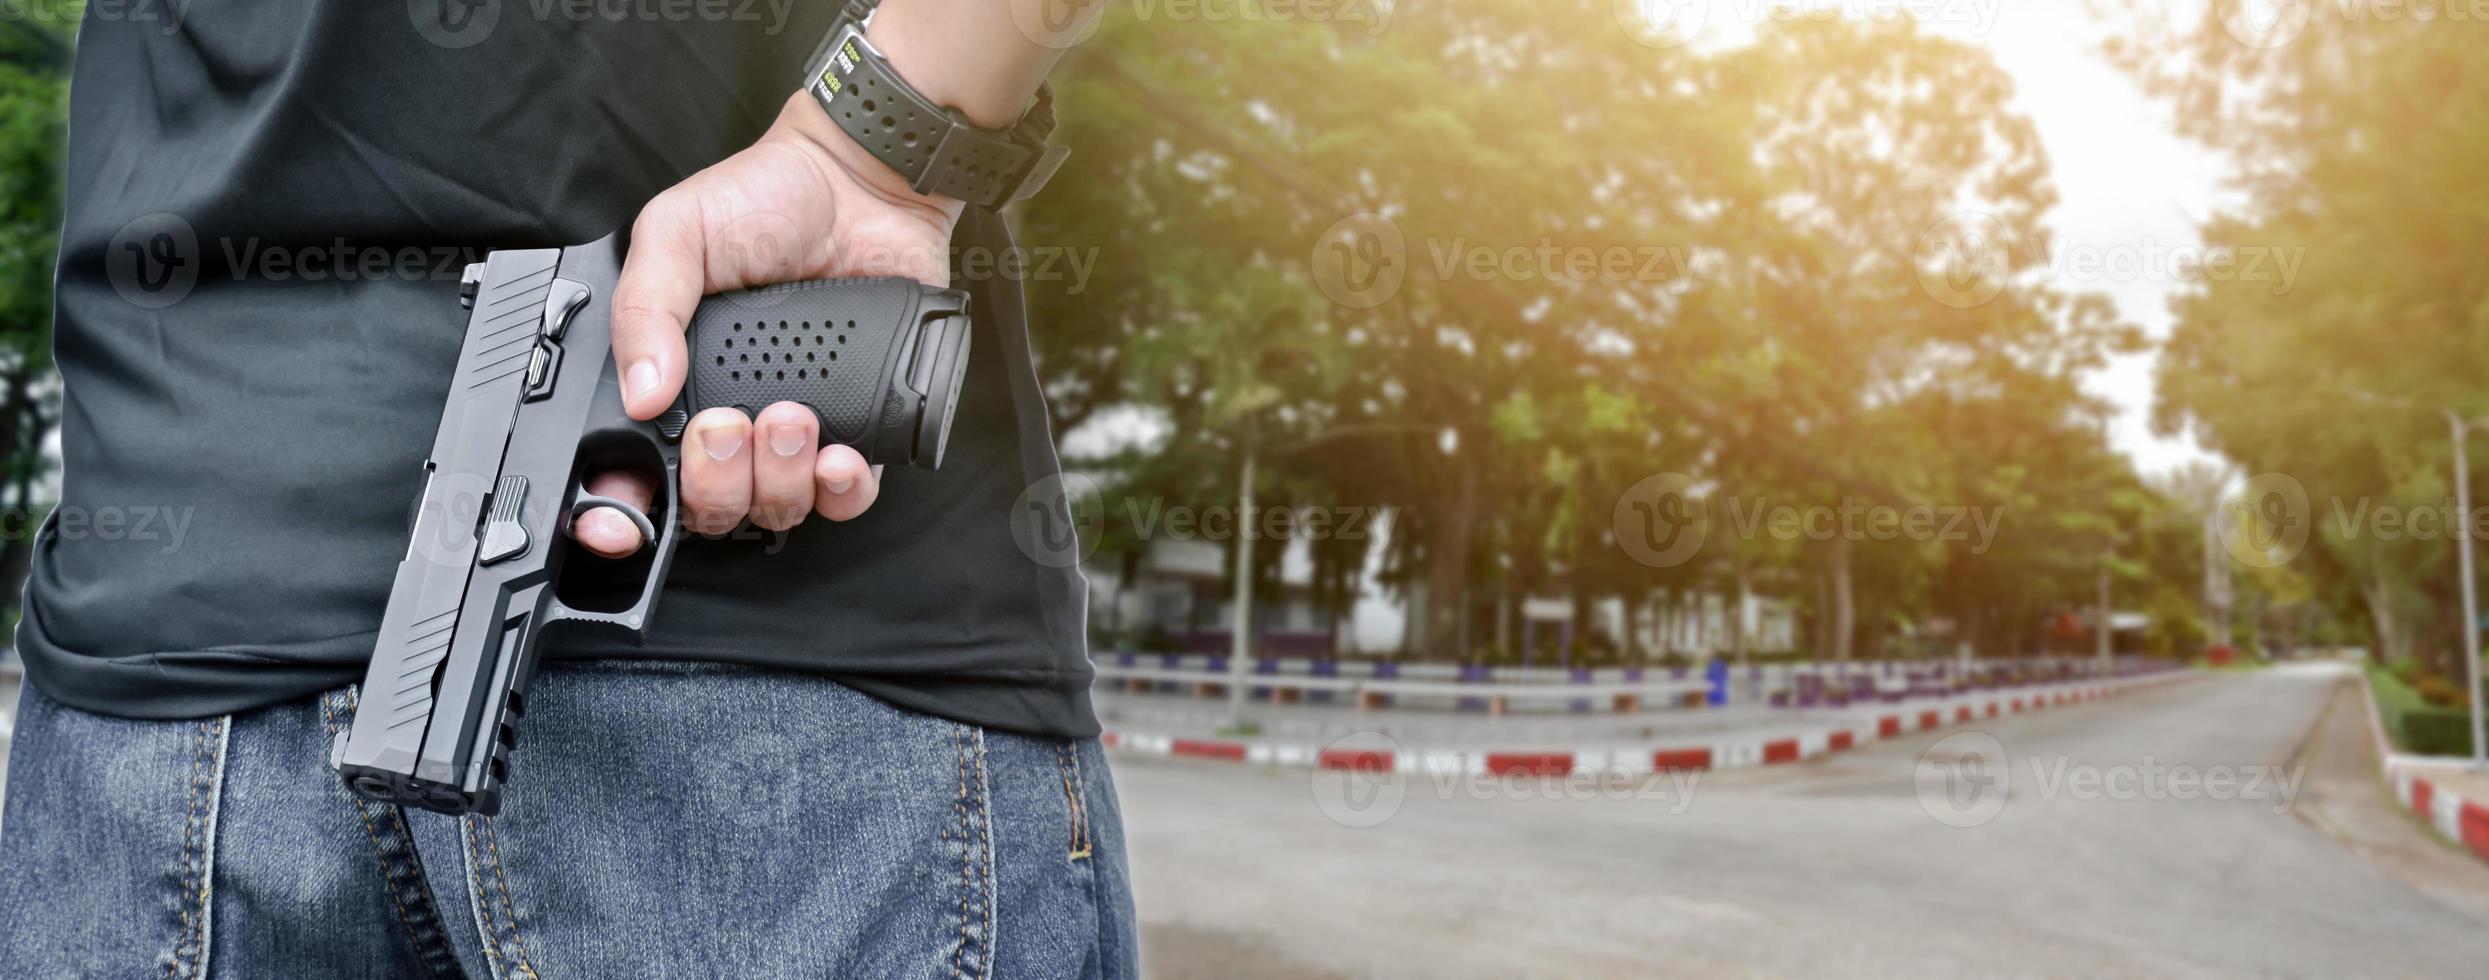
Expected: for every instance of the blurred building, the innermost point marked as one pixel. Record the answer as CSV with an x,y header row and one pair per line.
x,y
1174,594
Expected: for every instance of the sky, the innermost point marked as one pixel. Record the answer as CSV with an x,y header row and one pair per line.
x,y
2132,193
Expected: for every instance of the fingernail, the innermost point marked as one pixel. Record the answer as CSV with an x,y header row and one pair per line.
x,y
722,441
787,440
641,379
842,486
610,524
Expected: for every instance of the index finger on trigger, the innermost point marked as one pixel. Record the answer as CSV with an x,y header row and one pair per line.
x,y
604,532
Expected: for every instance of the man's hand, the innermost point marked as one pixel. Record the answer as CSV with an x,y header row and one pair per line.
x,y
805,202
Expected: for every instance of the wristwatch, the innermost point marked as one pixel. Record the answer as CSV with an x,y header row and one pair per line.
x,y
934,146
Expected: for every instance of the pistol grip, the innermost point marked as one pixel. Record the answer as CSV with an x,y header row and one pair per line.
x,y
878,360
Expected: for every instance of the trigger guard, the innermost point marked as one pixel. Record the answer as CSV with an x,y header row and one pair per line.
x,y
586,502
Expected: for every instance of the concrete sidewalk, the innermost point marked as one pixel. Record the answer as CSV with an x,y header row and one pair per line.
x,y
2446,794
2348,799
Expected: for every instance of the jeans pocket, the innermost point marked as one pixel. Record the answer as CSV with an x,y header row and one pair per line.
x,y
732,822
108,845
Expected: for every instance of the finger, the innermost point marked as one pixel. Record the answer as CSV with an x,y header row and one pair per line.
x,y
662,280
782,471
843,486
604,532
717,470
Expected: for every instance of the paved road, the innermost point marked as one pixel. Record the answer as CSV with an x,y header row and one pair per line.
x,y
1835,867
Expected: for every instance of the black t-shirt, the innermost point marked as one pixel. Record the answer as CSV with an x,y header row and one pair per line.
x,y
269,204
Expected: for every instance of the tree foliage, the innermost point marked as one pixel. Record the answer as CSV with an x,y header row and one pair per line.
x,y
1771,335
35,46
2356,142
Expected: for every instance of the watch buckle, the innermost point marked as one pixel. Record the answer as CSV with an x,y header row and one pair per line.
x,y
1040,171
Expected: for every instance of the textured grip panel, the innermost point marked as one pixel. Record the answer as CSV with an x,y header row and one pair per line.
x,y
831,345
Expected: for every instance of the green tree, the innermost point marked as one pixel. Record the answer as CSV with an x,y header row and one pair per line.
x,y
2336,375
1906,198
35,44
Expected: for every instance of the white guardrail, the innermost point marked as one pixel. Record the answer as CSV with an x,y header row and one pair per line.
x,y
1374,683
1371,692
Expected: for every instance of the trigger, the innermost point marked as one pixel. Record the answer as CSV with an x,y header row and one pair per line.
x,y
586,502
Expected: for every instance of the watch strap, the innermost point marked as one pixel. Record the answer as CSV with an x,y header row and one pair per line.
x,y
936,148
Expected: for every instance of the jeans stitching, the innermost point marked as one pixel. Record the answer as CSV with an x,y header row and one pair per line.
x,y
973,827
486,929
984,829
189,955
218,731
1100,889
959,815
1075,793
509,909
175,964
422,922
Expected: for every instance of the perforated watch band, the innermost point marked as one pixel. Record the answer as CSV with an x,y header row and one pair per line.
x,y
935,147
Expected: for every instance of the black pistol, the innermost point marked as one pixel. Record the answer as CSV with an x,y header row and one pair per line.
x,y
533,410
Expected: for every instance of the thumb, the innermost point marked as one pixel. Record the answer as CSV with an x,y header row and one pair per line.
x,y
662,279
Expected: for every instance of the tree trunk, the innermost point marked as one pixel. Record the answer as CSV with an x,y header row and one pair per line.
x,y
1240,646
1664,621
1844,601
2255,625
1741,638
1451,530
1343,606
1823,616
1633,648
1503,616
2103,636
1115,625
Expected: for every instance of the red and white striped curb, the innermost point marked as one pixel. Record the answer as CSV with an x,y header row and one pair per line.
x,y
1636,760
2462,821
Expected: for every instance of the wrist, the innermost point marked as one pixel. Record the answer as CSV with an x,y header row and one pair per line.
x,y
975,61
803,123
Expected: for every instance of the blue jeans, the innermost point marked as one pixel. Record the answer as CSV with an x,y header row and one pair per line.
x,y
662,820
